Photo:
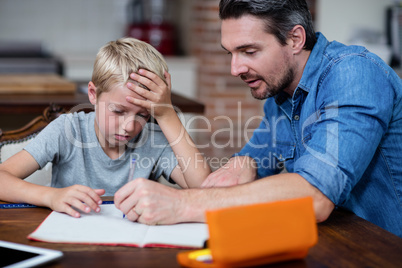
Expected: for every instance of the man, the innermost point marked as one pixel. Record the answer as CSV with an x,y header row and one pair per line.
x,y
333,118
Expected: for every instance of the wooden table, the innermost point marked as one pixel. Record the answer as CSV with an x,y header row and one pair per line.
x,y
36,103
345,240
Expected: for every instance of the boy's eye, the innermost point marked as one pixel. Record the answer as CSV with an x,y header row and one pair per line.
x,y
112,107
145,116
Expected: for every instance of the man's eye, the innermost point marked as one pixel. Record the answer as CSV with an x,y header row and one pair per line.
x,y
118,112
250,52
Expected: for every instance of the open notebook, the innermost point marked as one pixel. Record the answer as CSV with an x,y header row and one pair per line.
x,y
108,227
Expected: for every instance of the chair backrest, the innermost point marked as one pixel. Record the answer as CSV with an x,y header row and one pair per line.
x,y
14,141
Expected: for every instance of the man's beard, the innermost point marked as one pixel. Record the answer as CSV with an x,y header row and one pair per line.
x,y
273,90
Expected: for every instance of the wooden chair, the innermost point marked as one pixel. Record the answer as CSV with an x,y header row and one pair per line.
x,y
33,127
14,141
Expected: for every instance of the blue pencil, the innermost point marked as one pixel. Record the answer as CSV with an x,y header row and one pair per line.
x,y
17,205
25,205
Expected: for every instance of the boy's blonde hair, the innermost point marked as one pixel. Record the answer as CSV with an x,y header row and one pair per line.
x,y
118,59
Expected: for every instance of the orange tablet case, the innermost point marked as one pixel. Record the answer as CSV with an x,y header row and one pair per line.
x,y
258,234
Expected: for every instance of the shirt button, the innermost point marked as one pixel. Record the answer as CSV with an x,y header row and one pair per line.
x,y
296,117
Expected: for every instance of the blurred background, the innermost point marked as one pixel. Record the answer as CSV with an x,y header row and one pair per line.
x,y
64,36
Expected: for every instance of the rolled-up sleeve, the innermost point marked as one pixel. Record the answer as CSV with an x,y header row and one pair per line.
x,y
350,116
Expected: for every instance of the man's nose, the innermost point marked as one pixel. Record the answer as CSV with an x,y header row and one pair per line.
x,y
237,67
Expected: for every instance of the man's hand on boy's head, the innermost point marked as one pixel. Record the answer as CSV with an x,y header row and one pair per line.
x,y
158,96
78,196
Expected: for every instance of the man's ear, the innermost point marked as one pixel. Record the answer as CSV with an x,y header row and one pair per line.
x,y
297,38
92,92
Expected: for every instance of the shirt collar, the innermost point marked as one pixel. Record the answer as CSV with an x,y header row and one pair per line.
x,y
310,77
310,70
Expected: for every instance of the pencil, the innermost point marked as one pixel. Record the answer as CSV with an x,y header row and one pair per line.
x,y
25,205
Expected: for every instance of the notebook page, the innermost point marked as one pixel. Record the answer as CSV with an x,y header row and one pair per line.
x,y
108,227
105,227
180,235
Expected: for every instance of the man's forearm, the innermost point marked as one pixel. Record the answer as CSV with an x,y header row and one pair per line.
x,y
196,202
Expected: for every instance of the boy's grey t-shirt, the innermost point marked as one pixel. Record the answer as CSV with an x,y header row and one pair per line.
x,y
70,143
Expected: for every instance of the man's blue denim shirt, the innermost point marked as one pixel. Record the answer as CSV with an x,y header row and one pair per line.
x,y
341,131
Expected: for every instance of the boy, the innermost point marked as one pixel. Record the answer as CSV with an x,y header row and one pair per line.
x,y
91,153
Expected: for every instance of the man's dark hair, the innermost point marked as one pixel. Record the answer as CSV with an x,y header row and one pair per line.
x,y
280,16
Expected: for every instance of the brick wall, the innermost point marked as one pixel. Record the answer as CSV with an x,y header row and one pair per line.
x,y
230,108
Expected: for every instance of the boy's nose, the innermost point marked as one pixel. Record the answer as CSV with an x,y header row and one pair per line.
x,y
129,125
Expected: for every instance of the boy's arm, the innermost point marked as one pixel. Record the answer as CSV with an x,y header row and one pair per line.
x,y
12,172
193,166
15,189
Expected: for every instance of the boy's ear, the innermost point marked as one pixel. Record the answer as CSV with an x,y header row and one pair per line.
x,y
92,92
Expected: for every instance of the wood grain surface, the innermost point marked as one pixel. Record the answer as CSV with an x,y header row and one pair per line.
x,y
35,84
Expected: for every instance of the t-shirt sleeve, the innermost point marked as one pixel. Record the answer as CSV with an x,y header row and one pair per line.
x,y
166,163
45,147
153,147
353,116
55,141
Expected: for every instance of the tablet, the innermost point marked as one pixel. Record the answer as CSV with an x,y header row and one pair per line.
x,y
18,255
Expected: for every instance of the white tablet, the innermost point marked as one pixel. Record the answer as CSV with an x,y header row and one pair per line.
x,y
18,255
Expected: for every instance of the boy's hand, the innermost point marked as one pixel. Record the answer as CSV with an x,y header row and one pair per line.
x,y
77,196
158,96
